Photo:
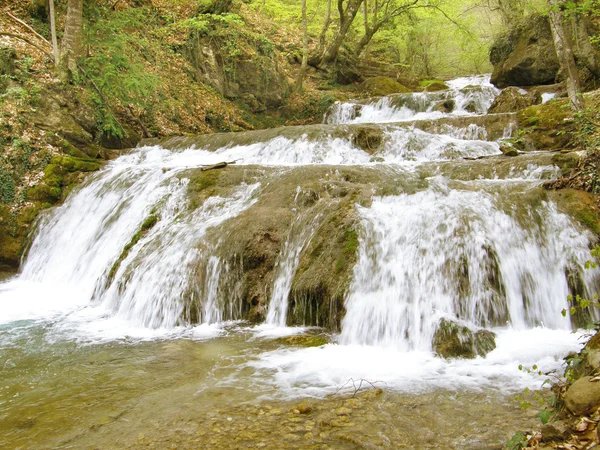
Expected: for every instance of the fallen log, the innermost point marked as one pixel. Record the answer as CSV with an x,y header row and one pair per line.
x,y
220,165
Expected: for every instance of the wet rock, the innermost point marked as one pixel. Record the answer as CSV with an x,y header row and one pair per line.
x,y
368,138
556,431
382,86
446,106
302,340
452,340
583,397
508,150
435,86
525,56
512,99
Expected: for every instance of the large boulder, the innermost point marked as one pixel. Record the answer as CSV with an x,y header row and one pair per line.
x,y
525,56
382,86
453,340
583,397
512,99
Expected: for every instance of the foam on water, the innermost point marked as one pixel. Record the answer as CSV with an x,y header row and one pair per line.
x,y
319,371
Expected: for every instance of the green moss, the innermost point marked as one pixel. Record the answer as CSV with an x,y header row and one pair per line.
x,y
7,187
74,164
149,222
54,175
143,230
303,340
44,193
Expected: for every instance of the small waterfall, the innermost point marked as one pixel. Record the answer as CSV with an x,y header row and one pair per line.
x,y
163,268
466,96
299,236
459,254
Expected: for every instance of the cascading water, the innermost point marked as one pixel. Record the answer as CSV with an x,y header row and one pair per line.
x,y
466,96
455,253
447,228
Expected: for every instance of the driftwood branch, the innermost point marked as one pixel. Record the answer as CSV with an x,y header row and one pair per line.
x,y
29,28
24,39
220,165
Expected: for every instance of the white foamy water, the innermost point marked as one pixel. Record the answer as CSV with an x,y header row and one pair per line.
x,y
448,253
319,371
467,96
299,236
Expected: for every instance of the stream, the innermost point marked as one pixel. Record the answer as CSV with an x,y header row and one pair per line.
x,y
126,325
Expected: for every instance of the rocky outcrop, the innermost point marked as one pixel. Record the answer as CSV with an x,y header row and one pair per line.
x,y
512,99
251,77
525,56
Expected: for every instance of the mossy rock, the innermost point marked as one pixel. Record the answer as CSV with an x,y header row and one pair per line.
x,y
382,86
550,126
452,340
579,205
303,340
44,193
74,164
433,85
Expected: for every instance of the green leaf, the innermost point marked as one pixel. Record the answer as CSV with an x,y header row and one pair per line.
x,y
544,416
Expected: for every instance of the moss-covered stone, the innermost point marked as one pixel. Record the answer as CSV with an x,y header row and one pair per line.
x,y
44,193
433,85
304,340
579,205
74,164
452,340
382,86
550,126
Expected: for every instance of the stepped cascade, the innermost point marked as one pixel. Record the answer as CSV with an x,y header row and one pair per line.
x,y
396,217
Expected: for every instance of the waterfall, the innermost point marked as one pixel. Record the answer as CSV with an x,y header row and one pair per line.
x,y
479,250
458,254
299,236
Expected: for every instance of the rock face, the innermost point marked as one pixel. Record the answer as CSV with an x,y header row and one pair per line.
x,y
583,397
511,100
453,340
525,56
254,79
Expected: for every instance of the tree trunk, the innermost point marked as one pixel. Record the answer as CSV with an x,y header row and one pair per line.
x,y
53,33
304,48
346,18
325,27
564,52
366,39
71,43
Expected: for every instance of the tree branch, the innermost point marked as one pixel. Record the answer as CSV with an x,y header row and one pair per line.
x,y
29,28
24,39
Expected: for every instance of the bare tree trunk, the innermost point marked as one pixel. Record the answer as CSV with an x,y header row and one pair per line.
x,y
304,48
325,27
53,33
71,43
564,52
347,16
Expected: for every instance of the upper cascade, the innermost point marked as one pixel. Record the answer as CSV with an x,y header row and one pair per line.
x,y
465,96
